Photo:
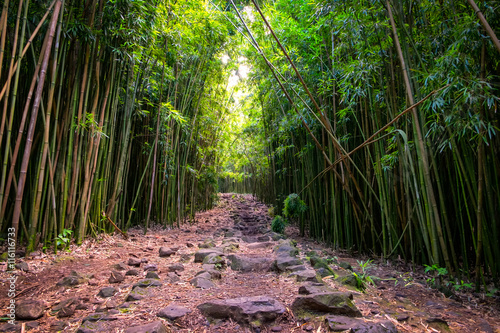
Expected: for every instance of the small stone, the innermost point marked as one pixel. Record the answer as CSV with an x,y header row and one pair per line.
x,y
133,272
22,266
276,329
173,312
152,275
136,295
58,326
308,328
402,317
166,252
72,280
189,244
107,292
173,277
151,267
154,327
116,277
203,283
29,309
134,262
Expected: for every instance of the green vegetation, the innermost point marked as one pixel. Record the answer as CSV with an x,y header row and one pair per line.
x,y
380,117
278,224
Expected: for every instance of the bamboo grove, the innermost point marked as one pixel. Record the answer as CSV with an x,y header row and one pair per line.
x,y
336,81
111,110
381,114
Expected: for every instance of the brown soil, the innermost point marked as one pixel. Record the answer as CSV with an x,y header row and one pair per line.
x,y
399,294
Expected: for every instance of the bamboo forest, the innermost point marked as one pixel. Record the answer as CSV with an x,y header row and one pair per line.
x,y
368,126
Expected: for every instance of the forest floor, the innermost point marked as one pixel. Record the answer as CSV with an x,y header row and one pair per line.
x,y
67,291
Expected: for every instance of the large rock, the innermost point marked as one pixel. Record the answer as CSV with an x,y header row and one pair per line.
x,y
245,310
72,280
202,282
306,275
166,252
154,327
247,264
341,324
286,248
29,309
202,253
107,292
173,312
214,259
283,261
328,302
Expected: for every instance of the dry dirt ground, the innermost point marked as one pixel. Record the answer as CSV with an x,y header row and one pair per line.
x,y
399,296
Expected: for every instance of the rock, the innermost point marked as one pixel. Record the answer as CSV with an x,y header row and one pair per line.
x,y
145,283
345,265
133,272
189,244
247,264
263,245
231,248
6,327
206,245
185,257
323,272
318,263
119,267
99,316
73,279
32,324
66,308
58,326
173,312
244,310
22,266
284,261
137,294
151,267
29,309
314,288
212,274
173,277
107,292
201,282
166,252
154,327
286,248
214,259
176,268
264,238
350,280
200,255
152,275
341,324
295,268
276,329
306,275
116,277
89,327
134,262
328,302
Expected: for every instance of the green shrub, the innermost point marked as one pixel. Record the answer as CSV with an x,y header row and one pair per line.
x,y
294,206
278,224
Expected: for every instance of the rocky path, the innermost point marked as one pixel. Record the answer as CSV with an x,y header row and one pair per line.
x,y
227,273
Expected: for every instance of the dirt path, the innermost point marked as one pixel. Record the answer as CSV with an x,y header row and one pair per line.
x,y
102,285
